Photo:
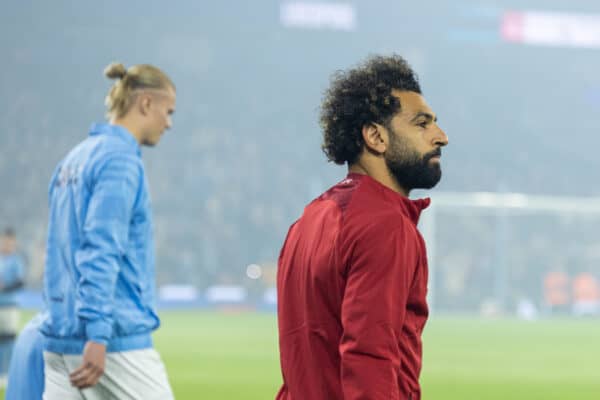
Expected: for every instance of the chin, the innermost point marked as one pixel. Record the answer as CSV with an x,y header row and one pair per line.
x,y
153,141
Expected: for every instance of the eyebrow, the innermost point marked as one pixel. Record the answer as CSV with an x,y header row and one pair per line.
x,y
427,116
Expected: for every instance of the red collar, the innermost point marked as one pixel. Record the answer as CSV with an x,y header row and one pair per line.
x,y
412,208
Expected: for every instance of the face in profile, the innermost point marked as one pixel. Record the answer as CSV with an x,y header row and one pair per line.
x,y
415,142
161,107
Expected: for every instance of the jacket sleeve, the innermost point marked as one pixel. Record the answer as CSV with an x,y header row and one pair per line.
x,y
379,277
114,189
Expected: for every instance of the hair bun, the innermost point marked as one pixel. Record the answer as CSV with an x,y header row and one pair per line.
x,y
115,71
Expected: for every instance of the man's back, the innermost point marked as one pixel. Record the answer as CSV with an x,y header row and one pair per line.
x,y
100,243
351,296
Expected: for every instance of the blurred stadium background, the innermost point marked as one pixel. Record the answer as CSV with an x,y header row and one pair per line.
x,y
513,232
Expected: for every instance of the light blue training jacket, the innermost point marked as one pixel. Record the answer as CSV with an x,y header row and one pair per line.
x,y
99,281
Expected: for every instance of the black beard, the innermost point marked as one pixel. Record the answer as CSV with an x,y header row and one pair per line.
x,y
411,170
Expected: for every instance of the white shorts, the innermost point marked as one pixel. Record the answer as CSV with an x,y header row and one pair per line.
x,y
9,320
128,375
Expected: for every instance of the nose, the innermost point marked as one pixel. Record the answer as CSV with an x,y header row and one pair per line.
x,y
440,138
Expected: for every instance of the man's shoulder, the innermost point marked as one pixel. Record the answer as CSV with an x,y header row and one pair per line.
x,y
373,217
342,192
106,150
97,150
110,146
358,201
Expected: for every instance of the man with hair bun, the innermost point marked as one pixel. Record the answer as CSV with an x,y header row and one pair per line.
x,y
99,280
352,274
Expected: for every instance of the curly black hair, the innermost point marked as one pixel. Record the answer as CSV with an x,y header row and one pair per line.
x,y
360,96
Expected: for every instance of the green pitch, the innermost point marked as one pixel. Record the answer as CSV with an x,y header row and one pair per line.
x,y
234,356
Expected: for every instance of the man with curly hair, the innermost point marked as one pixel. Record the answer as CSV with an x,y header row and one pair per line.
x,y
352,277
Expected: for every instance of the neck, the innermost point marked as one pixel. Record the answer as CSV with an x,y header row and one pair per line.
x,y
129,125
381,175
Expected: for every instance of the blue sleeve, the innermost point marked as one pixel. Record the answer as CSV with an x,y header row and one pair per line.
x,y
114,190
26,372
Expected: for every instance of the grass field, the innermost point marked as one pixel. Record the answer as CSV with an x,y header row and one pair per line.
x,y
234,356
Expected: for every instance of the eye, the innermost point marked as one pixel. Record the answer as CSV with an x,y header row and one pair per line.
x,y
423,124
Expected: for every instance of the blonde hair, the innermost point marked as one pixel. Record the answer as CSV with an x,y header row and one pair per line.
x,y
139,77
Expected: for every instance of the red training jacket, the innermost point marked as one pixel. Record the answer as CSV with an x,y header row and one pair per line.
x,y
352,282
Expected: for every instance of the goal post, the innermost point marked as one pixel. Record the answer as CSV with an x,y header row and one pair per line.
x,y
496,227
